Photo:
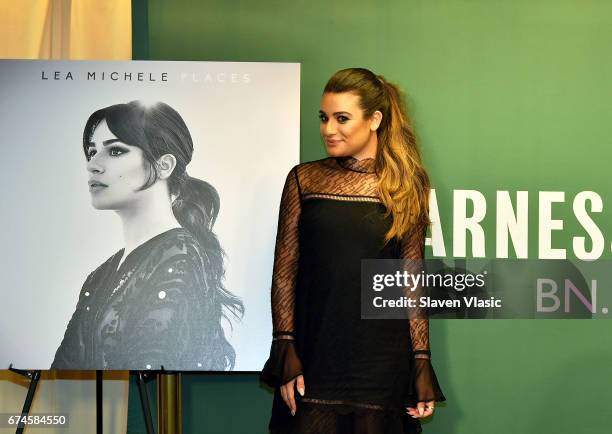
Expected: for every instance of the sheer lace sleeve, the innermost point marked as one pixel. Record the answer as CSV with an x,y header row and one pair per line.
x,y
426,387
284,364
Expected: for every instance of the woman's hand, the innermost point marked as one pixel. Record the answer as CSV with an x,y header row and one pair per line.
x,y
288,393
423,409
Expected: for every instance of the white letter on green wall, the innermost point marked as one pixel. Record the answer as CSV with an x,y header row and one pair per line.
x,y
462,223
509,222
547,224
589,226
437,240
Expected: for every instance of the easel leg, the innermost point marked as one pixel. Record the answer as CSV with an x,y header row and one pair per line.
x,y
144,400
99,401
35,376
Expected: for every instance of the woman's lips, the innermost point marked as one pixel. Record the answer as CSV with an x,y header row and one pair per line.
x,y
96,186
332,142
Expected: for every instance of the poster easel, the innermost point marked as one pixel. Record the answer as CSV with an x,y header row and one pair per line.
x,y
34,377
169,402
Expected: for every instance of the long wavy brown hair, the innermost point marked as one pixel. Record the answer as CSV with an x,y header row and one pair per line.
x,y
403,182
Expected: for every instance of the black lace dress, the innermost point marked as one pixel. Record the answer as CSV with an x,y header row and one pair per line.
x,y
156,309
360,375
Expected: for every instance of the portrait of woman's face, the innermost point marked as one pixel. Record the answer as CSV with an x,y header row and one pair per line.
x,y
343,126
117,171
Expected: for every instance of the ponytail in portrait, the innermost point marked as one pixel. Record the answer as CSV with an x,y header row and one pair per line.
x,y
403,182
196,208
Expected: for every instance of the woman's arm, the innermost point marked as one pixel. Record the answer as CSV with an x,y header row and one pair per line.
x,y
284,365
426,387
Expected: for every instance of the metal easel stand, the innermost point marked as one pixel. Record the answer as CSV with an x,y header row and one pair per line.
x,y
34,376
169,401
142,377
99,400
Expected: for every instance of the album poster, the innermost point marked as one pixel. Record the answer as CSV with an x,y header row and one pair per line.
x,y
140,203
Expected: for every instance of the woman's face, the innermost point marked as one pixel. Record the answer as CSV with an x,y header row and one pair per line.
x,y
344,129
116,171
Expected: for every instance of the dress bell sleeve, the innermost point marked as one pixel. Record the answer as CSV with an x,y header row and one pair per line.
x,y
425,387
284,363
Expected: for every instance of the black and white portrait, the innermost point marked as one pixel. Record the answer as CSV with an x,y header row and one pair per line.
x,y
167,297
143,207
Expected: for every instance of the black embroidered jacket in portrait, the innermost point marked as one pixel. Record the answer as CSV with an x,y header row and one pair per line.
x,y
155,309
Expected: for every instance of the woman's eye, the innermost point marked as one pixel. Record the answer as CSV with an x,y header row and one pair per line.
x,y
90,154
323,118
342,119
115,152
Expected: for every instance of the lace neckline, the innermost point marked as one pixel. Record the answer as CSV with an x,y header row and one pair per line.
x,y
367,165
144,247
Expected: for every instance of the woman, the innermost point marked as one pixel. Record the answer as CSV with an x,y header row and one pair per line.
x,y
158,302
334,372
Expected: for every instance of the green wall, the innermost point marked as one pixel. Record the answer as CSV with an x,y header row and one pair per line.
x,y
506,95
